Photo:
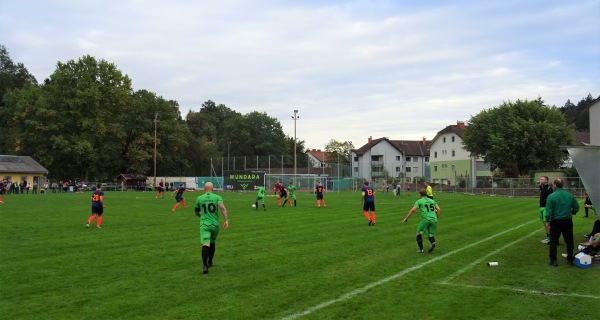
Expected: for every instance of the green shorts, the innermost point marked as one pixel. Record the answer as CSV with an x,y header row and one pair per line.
x,y
427,225
261,199
292,196
543,216
208,233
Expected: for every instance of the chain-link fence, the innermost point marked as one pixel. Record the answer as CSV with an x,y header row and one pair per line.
x,y
521,187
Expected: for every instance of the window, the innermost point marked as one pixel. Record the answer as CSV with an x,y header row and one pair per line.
x,y
444,166
398,158
375,169
407,159
415,159
355,159
415,170
355,169
444,151
398,169
407,169
453,167
427,158
452,138
444,139
453,153
375,158
435,168
435,154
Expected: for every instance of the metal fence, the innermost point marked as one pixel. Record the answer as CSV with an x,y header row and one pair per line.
x,y
521,187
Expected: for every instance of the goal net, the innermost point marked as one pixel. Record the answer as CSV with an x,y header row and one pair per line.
x,y
302,182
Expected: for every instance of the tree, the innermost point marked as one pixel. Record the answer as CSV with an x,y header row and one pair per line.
x,y
519,137
335,148
12,76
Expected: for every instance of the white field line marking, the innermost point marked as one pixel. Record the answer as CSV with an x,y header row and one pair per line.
x,y
478,261
575,295
372,285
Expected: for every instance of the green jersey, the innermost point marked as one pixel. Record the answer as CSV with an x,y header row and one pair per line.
x,y
561,204
427,208
208,205
261,191
292,190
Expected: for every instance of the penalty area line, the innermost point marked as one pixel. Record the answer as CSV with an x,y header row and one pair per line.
x,y
504,288
372,285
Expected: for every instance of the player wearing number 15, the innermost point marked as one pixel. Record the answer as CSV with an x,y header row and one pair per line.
x,y
207,208
430,212
368,202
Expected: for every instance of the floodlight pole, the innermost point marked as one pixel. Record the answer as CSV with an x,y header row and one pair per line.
x,y
295,117
155,121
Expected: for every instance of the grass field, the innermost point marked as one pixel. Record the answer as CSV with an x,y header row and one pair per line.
x,y
285,263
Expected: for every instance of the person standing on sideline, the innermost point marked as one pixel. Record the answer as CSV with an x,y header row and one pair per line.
x,y
179,196
430,212
161,189
319,190
97,206
560,207
398,189
587,204
2,188
545,191
292,192
429,190
207,208
260,197
368,202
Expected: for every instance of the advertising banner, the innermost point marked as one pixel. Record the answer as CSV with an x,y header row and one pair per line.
x,y
244,180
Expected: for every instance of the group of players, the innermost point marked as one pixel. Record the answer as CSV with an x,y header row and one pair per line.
x,y
285,194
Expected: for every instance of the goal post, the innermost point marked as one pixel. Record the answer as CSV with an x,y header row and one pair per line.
x,y
303,182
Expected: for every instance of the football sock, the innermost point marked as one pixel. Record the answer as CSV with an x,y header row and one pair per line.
x,y
278,202
289,201
431,239
92,217
284,202
373,216
211,252
175,207
158,194
205,251
420,242
256,205
99,222
319,203
367,215
183,202
324,205
294,202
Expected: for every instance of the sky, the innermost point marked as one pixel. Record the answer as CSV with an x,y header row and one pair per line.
x,y
353,69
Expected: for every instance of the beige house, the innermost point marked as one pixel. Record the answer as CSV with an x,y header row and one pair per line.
x,y
22,168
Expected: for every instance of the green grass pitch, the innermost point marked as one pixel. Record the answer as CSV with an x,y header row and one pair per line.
x,y
284,263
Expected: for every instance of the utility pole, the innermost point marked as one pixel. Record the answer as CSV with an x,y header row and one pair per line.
x,y
155,121
295,117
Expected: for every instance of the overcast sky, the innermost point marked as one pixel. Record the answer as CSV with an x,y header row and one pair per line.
x,y
352,69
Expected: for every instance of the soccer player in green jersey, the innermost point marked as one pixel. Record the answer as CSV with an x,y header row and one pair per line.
x,y
207,208
430,212
260,197
292,192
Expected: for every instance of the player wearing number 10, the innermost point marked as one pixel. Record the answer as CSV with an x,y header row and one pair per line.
x,y
207,208
430,212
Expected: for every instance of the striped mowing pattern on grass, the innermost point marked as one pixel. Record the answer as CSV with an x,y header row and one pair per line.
x,y
145,262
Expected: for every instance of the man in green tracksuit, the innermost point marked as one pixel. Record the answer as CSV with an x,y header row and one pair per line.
x,y
560,206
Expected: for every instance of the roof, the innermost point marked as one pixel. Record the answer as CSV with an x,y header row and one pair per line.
x,y
453,128
581,138
406,147
20,164
318,154
131,176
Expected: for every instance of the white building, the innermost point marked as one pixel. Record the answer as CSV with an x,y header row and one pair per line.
x,y
391,159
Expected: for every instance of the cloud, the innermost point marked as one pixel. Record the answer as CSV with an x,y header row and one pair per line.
x,y
399,69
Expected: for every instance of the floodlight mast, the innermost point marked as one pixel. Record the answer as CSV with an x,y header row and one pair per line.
x,y
295,117
155,121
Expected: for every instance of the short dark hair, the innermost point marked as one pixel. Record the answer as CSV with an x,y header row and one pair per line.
x,y
423,192
99,185
558,182
366,183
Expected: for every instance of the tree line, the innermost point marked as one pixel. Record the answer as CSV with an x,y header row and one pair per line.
x,y
86,121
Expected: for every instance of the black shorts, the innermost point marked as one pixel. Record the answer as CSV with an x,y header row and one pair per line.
x,y
178,198
161,189
319,196
97,209
369,206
